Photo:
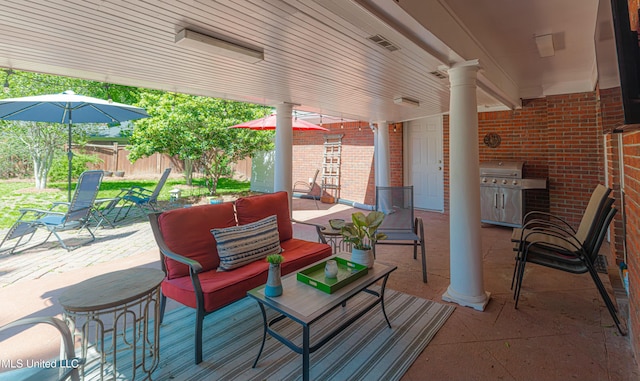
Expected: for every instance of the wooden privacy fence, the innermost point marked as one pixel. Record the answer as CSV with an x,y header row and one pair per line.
x,y
114,158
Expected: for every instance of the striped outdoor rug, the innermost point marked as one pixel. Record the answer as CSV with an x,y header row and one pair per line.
x,y
368,350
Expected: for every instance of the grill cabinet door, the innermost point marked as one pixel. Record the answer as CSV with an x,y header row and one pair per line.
x,y
490,209
511,205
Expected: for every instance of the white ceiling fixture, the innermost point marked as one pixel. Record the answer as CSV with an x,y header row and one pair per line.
x,y
406,102
191,39
545,45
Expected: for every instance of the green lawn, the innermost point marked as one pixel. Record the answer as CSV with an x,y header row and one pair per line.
x,y
21,194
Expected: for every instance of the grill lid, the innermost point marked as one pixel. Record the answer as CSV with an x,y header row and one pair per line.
x,y
509,169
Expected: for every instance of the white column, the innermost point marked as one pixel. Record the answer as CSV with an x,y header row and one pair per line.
x,y
383,155
284,150
382,165
467,285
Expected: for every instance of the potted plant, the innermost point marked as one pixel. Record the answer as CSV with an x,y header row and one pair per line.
x,y
363,235
274,283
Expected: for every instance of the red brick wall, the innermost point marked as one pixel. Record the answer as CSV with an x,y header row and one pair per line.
x,y
631,144
611,115
357,175
576,153
558,138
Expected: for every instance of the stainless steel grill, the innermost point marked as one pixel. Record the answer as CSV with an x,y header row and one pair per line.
x,y
502,200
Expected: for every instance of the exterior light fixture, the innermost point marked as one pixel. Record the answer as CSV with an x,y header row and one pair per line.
x,y
406,102
341,123
191,39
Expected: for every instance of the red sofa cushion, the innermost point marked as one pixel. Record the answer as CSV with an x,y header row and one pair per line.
x,y
254,208
222,288
186,232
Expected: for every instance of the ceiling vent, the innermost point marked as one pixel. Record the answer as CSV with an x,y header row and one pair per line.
x,y
378,39
438,74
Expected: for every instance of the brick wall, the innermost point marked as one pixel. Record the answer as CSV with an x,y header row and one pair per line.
x,y
611,115
631,144
558,138
357,175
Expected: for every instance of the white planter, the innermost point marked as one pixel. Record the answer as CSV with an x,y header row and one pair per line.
x,y
274,281
362,257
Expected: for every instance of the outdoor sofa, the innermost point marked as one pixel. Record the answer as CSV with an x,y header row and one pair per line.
x,y
190,258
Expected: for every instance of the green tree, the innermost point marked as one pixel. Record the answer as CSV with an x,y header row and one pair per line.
x,y
45,142
195,129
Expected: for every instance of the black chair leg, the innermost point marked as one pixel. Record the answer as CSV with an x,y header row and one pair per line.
x,y
163,305
516,265
424,262
199,320
520,277
607,300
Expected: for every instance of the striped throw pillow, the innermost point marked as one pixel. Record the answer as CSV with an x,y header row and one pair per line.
x,y
240,245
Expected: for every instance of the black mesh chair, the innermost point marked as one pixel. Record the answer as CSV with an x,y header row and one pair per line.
x,y
566,252
400,225
540,223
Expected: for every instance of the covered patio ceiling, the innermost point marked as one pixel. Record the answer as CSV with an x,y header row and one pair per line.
x,y
317,53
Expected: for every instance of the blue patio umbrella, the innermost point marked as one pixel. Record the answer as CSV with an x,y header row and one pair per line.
x,y
68,108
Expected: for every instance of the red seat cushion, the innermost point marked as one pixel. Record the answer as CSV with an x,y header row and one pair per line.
x,y
222,288
254,208
186,232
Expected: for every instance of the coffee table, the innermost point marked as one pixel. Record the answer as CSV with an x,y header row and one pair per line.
x,y
306,305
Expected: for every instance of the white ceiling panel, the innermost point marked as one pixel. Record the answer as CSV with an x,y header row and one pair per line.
x,y
317,52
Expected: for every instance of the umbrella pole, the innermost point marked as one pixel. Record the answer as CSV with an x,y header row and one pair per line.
x,y
70,158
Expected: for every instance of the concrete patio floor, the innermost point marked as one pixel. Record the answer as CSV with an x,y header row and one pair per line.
x,y
561,330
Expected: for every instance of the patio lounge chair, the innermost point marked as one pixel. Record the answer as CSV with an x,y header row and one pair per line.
x,y
307,187
399,223
144,199
76,215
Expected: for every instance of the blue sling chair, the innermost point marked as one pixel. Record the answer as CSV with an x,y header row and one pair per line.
x,y
59,217
145,199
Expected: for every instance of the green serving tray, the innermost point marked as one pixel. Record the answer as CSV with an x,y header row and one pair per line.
x,y
347,272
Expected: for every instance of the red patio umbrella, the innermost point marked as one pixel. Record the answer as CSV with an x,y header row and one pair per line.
x,y
269,123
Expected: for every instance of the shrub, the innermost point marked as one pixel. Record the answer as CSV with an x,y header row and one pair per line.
x,y
79,164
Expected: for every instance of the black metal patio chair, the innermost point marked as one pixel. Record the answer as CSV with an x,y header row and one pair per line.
x,y
566,252
400,225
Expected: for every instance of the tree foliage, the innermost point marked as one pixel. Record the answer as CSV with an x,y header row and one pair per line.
x,y
195,129
43,143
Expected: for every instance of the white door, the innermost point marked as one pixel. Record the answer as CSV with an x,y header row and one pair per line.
x,y
425,163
